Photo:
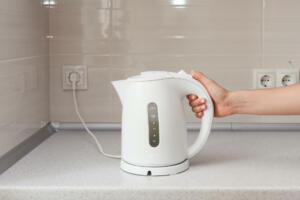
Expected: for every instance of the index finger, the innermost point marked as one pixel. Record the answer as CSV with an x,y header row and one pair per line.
x,y
192,97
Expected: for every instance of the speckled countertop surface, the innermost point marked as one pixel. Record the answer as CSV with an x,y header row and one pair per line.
x,y
233,165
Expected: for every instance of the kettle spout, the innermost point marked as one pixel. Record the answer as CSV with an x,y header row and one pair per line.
x,y
121,88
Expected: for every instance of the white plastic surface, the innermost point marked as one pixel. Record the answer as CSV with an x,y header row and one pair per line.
x,y
166,90
195,87
155,171
158,75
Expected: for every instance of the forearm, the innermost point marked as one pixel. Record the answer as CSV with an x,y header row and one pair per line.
x,y
275,101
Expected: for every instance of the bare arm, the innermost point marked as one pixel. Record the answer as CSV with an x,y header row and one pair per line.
x,y
275,101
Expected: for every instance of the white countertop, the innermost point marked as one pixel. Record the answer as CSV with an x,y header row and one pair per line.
x,y
233,165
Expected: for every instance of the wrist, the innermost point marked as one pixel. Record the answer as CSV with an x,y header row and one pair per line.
x,y
233,102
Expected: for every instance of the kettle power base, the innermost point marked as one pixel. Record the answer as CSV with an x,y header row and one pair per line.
x,y
155,171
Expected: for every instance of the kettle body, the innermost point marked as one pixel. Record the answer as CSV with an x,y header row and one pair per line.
x,y
154,137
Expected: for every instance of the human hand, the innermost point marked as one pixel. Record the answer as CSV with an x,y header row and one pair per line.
x,y
220,97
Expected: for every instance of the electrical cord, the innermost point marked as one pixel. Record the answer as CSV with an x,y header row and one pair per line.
x,y
74,80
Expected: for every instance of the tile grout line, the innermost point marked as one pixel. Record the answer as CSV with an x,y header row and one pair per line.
x,y
22,58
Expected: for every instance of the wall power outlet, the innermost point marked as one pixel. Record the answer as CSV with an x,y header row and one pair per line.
x,y
81,71
264,78
285,77
270,78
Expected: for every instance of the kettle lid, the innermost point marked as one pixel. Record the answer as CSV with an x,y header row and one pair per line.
x,y
158,75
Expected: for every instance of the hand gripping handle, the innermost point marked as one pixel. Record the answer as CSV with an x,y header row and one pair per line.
x,y
191,86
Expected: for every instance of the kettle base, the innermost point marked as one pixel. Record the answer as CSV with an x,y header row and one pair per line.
x,y
155,171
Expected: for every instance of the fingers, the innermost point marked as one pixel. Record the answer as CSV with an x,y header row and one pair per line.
x,y
203,79
192,97
199,114
198,104
197,109
200,77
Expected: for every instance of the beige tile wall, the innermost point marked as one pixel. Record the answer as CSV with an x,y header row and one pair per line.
x,y
282,42
119,38
24,69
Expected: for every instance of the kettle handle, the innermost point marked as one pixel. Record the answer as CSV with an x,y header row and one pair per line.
x,y
194,87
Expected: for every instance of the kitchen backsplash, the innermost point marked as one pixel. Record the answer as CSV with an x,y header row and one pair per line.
x,y
119,38
24,69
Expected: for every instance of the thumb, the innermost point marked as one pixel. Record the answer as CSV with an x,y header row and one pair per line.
x,y
199,76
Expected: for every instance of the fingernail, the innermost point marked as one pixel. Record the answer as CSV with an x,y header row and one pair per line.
x,y
202,100
203,106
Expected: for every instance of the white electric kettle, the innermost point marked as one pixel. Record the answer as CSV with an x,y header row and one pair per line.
x,y
154,136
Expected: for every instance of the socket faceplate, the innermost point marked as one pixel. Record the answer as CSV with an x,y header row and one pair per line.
x,y
287,77
81,70
264,78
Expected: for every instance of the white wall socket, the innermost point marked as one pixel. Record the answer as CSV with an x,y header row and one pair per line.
x,y
264,78
285,77
270,78
81,70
